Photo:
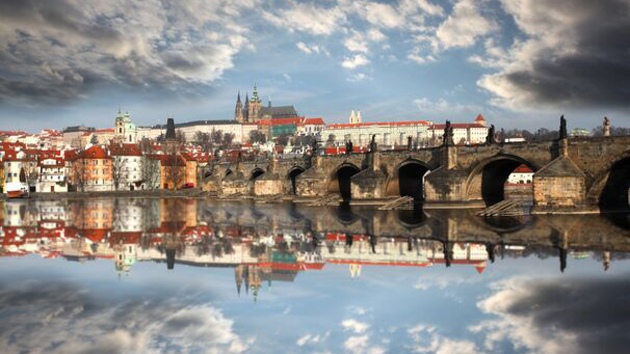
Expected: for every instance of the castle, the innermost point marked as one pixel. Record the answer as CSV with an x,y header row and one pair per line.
x,y
253,111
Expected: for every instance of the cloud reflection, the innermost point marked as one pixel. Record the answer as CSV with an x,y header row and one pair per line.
x,y
62,318
551,316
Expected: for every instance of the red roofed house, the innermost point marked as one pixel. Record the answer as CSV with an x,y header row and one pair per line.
x,y
128,164
92,171
52,175
463,133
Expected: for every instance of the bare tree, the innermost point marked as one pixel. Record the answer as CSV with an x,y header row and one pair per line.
x,y
119,171
204,140
79,174
151,172
256,136
180,136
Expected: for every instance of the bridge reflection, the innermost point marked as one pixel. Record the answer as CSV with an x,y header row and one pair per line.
x,y
270,242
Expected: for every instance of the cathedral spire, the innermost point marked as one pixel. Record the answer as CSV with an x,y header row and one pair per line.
x,y
255,94
238,110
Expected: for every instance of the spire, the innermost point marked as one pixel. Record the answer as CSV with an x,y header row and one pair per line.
x,y
269,100
238,97
358,119
352,117
255,94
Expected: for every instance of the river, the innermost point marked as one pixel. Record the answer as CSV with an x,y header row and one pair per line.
x,y
186,275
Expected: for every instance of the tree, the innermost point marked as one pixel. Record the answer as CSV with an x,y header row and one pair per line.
x,y
204,140
94,140
228,139
151,172
180,136
256,136
614,131
119,173
217,136
79,174
282,140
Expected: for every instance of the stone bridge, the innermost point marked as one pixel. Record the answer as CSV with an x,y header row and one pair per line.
x,y
573,174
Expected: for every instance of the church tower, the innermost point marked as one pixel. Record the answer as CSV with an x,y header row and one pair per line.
x,y
355,118
238,111
254,106
125,131
246,109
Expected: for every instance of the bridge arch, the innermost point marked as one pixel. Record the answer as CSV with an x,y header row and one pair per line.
x,y
408,179
611,187
487,178
291,177
339,181
256,172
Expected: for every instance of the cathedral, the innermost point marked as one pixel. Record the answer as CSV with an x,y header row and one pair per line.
x,y
253,111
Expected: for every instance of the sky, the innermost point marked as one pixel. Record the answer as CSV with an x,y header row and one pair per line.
x,y
520,63
522,305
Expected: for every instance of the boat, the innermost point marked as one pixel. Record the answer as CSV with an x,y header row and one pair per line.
x,y
16,190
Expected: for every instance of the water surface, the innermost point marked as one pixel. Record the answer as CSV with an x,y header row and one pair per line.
x,y
134,275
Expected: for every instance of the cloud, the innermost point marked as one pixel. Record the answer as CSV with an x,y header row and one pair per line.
x,y
570,53
355,61
440,106
356,43
61,50
356,344
463,26
312,49
312,339
547,316
354,326
307,18
60,318
426,339
357,77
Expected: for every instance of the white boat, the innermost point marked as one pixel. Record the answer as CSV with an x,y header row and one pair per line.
x,y
16,190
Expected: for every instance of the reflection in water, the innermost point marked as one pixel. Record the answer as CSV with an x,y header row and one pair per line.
x,y
204,276
284,238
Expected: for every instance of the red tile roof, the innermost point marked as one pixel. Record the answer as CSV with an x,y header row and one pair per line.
x,y
94,152
117,149
480,118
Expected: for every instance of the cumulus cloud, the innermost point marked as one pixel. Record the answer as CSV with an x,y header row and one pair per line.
x,y
463,26
546,316
426,339
355,61
354,326
311,49
312,339
308,18
573,52
60,318
61,50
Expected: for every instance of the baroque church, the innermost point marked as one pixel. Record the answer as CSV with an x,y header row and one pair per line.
x,y
253,111
125,130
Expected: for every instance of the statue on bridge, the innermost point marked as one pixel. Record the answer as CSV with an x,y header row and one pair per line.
x,y
562,134
349,147
606,126
409,142
373,143
314,147
490,138
447,138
